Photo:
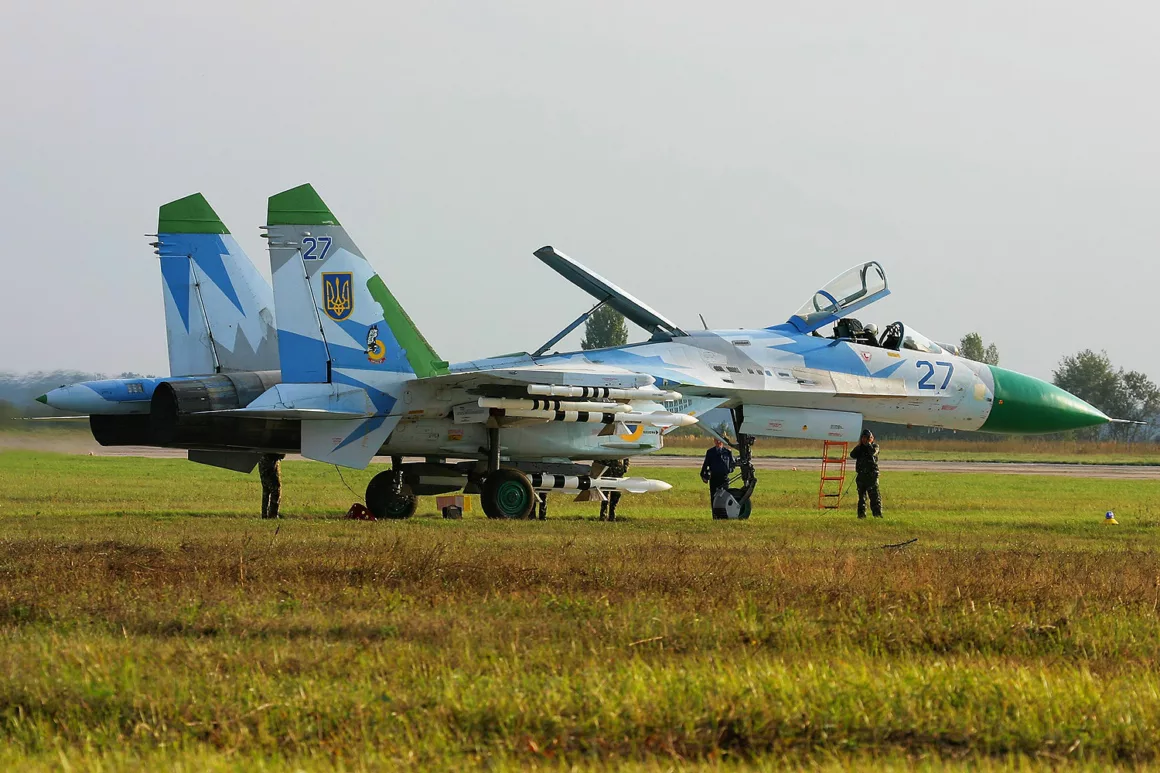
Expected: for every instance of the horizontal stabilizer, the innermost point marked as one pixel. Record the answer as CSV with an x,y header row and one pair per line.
x,y
349,443
238,461
286,414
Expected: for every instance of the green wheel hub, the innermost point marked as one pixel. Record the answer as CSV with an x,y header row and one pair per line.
x,y
511,497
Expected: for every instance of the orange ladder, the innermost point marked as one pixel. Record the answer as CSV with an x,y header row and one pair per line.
x,y
830,487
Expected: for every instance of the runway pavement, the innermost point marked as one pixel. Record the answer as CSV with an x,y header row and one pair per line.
x,y
1117,471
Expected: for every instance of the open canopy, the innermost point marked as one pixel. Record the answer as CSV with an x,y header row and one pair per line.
x,y
849,291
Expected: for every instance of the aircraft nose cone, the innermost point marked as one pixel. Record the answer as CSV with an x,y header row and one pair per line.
x,y
1028,405
42,399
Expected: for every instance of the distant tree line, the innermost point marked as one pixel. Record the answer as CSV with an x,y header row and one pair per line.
x,y
1119,393
971,346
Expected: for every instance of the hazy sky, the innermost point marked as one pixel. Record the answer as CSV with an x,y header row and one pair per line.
x,y
1002,161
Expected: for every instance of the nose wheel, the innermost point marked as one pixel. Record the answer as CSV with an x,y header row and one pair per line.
x,y
748,481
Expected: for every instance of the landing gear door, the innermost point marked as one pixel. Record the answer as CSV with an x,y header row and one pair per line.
x,y
852,290
801,423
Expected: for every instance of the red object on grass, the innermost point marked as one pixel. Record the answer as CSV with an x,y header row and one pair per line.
x,y
359,512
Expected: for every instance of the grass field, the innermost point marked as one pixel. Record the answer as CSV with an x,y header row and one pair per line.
x,y
149,621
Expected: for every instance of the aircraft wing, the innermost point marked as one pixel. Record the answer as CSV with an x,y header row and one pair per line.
x,y
605,291
576,375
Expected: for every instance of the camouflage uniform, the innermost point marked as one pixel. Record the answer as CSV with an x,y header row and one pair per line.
x,y
269,471
865,456
616,469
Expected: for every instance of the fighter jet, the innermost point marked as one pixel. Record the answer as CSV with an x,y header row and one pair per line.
x,y
359,380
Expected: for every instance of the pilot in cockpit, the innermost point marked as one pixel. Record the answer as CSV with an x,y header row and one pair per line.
x,y
870,335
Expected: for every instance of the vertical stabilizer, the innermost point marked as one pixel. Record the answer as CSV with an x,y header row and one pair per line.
x,y
338,322
219,311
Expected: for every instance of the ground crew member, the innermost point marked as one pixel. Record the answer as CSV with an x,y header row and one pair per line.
x,y
617,468
269,470
865,456
716,468
542,497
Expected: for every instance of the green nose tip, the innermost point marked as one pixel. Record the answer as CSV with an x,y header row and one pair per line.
x,y
42,399
1027,405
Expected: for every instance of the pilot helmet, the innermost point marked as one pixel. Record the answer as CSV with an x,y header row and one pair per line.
x,y
871,328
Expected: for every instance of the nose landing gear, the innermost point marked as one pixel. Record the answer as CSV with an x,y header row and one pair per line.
x,y
735,501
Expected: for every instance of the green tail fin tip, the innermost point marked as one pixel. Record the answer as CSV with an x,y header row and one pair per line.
x,y
299,206
190,215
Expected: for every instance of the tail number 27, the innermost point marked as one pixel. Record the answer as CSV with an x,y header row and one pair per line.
x,y
925,381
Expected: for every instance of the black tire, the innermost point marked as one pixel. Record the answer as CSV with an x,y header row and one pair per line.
x,y
383,504
507,494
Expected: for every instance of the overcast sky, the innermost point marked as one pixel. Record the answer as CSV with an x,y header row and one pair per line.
x,y
1001,160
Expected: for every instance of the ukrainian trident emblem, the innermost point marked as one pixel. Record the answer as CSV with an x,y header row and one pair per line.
x,y
338,295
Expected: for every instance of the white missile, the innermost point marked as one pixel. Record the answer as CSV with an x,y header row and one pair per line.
x,y
658,419
551,404
603,393
576,483
579,417
655,419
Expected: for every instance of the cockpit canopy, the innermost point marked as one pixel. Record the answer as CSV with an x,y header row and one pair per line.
x,y
859,286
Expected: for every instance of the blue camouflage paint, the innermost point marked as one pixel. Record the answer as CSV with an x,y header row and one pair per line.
x,y
303,358
175,271
206,250
824,354
382,401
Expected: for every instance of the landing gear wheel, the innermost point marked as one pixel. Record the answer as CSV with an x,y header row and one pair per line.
x,y
385,498
507,494
746,504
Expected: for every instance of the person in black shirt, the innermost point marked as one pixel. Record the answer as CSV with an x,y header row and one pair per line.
x,y
865,456
716,468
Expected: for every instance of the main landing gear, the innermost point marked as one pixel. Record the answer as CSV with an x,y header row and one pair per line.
x,y
385,496
506,493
